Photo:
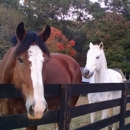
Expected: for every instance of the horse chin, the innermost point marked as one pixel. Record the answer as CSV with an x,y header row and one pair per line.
x,y
88,76
36,117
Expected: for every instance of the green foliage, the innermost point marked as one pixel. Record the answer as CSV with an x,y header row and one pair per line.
x,y
91,24
113,30
57,42
9,18
97,11
119,6
78,35
56,13
10,3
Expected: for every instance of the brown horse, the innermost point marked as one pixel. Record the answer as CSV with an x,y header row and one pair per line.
x,y
29,66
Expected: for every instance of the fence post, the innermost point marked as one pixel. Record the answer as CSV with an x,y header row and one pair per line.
x,y
123,107
64,112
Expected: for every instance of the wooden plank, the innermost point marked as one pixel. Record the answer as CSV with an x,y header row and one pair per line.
x,y
100,124
88,108
127,113
21,120
128,85
127,127
128,99
123,107
9,90
52,89
64,113
90,88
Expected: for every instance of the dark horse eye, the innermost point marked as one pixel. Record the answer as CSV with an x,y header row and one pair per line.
x,y
97,57
20,60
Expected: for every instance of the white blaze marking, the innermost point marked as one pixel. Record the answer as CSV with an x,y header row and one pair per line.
x,y
36,58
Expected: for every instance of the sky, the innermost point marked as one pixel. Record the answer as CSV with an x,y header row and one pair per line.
x,y
102,4
94,0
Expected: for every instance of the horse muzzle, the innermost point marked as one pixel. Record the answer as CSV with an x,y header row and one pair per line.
x,y
36,110
87,74
36,115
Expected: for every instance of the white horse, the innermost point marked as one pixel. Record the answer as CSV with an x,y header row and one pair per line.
x,y
96,67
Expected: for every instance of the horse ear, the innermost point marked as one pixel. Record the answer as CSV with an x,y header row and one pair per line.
x,y
45,34
90,45
101,45
20,31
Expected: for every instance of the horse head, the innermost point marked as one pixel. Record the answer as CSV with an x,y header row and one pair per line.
x,y
94,59
31,56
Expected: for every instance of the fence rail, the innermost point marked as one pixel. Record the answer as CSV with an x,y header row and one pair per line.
x,y
65,113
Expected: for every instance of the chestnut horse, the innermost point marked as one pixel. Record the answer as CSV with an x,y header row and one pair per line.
x,y
29,65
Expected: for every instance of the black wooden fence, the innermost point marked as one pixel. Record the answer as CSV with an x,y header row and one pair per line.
x,y
65,113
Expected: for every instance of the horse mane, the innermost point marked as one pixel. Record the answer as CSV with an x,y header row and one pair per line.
x,y
14,40
29,39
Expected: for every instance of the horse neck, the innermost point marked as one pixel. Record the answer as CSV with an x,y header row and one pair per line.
x,y
102,72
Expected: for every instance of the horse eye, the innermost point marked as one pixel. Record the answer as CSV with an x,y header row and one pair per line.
x,y
20,60
97,57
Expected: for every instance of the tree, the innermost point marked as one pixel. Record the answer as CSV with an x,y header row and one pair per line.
x,y
119,6
113,30
60,13
9,18
67,16
59,43
10,3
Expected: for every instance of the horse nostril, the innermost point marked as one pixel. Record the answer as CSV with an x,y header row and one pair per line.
x,y
31,110
87,71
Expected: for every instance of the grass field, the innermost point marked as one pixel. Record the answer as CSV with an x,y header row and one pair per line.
x,y
79,121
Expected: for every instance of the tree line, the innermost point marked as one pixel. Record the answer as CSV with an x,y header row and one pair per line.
x,y
74,24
